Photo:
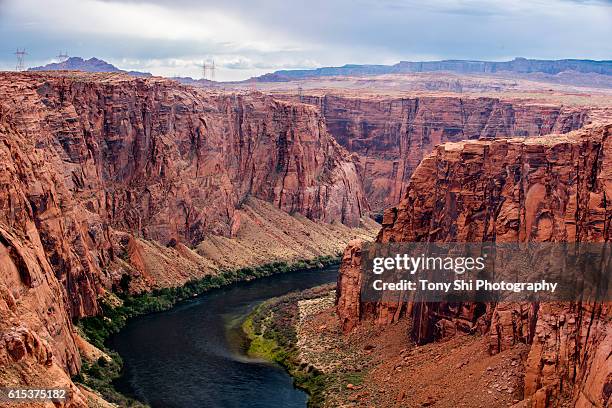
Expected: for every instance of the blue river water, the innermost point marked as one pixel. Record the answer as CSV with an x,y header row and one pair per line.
x,y
194,355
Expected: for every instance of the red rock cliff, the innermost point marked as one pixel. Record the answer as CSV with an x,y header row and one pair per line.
x,y
152,138
556,188
160,161
37,345
89,159
391,136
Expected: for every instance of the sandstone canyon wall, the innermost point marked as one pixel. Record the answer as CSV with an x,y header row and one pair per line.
x,y
556,188
96,167
160,162
392,135
103,174
37,343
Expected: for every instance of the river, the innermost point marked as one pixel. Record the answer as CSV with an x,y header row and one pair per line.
x,y
193,356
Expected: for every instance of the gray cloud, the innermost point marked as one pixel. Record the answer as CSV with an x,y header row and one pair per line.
x,y
247,37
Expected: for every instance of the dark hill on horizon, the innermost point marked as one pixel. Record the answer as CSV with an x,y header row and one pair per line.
x,y
516,66
89,65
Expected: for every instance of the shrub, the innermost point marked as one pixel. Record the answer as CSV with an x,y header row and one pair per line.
x,y
125,281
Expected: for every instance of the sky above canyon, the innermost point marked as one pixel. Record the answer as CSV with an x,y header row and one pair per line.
x,y
248,37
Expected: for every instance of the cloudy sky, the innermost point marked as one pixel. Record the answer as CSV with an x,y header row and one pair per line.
x,y
251,37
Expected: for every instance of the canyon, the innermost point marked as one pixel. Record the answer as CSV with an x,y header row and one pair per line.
x,y
392,135
554,188
105,175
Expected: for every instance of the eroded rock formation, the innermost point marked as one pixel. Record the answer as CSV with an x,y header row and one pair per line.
x,y
100,173
91,155
392,135
556,188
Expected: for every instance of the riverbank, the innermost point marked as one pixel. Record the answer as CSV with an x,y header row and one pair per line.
x,y
300,332
118,309
271,331
275,330
379,365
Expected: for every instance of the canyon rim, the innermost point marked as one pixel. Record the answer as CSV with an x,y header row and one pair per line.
x,y
250,152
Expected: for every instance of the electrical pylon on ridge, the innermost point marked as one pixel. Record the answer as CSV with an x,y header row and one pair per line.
x,y
208,67
20,54
62,58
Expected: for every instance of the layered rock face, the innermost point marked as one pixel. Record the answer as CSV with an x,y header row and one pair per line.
x,y
391,136
150,139
98,166
37,343
160,162
556,188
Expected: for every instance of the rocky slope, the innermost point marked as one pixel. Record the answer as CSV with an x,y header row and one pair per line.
x,y
392,135
260,234
104,174
556,188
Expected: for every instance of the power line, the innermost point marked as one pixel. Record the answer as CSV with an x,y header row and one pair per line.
x,y
208,67
62,58
20,54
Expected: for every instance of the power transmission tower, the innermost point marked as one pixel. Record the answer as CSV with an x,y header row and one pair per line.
x,y
62,59
20,54
300,91
204,68
212,71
